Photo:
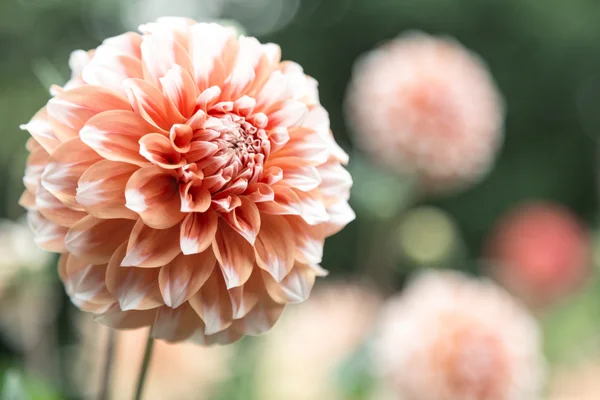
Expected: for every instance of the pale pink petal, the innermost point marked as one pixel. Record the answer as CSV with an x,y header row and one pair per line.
x,y
67,163
213,305
73,108
134,288
305,144
36,164
340,215
209,43
160,53
48,235
85,281
181,136
95,240
27,200
244,297
297,173
131,319
153,193
261,192
127,44
184,276
245,219
291,113
234,254
157,149
309,240
55,211
285,202
43,131
335,180
198,231
313,207
294,288
243,73
274,248
151,248
260,319
101,189
115,135
174,325
151,104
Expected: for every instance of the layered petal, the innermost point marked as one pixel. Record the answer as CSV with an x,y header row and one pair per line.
x,y
234,254
212,304
198,231
152,192
184,276
151,248
275,247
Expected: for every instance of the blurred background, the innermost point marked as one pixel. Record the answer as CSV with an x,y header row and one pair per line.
x,y
542,189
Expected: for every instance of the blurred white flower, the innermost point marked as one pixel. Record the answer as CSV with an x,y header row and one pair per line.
x,y
18,251
449,337
428,107
576,382
298,360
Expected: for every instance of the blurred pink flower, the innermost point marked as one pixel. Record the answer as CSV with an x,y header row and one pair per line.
x,y
540,252
449,337
428,107
311,342
189,178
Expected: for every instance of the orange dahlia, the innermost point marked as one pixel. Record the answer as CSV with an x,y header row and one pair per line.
x,y
189,179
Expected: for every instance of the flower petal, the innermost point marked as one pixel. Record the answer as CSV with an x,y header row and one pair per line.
x,y
48,235
234,254
181,89
309,240
134,288
95,240
244,298
260,319
285,202
73,108
152,192
151,104
336,181
340,215
67,163
212,304
298,173
85,281
245,219
53,209
151,248
42,130
101,189
174,325
198,231
275,249
184,276
131,319
294,288
157,149
115,135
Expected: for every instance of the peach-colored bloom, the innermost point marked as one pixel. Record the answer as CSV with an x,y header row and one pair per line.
x,y
189,177
426,106
312,341
182,371
449,337
576,382
540,252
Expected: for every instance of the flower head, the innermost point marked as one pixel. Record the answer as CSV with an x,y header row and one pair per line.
x,y
540,252
189,177
426,106
451,337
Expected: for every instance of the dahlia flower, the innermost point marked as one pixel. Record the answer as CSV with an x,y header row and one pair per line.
x,y
540,252
428,107
449,337
189,179
311,342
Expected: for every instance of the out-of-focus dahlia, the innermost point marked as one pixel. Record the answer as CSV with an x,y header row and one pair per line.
x,y
449,337
540,252
428,107
189,177
576,382
312,341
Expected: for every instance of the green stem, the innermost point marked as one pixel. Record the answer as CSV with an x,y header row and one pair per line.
x,y
105,384
145,365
